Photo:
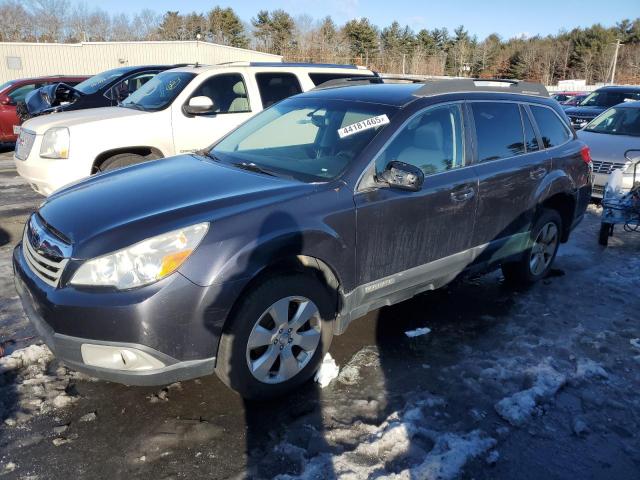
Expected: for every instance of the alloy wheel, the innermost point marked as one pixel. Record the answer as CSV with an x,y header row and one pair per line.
x,y
284,339
544,248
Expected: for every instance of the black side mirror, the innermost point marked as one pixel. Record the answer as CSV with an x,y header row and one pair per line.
x,y
403,176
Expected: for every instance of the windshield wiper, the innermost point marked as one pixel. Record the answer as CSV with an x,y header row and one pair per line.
x,y
207,153
135,106
252,167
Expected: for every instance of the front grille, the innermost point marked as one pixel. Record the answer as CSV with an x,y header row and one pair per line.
x,y
48,268
607,167
25,144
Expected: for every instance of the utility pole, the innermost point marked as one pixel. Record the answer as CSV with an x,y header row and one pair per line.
x,y
404,61
615,62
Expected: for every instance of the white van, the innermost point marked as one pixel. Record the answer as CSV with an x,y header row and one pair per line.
x,y
179,110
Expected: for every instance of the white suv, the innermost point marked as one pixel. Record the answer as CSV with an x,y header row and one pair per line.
x,y
179,110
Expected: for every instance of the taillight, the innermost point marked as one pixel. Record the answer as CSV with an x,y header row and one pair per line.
x,y
585,152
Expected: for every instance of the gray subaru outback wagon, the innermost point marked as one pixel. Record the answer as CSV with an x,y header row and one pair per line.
x,y
245,259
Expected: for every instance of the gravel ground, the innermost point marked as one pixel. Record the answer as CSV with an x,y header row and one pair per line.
x,y
526,384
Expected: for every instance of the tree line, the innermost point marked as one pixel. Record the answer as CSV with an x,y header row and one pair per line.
x,y
585,53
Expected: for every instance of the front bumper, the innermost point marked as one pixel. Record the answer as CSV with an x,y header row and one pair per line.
x,y
46,175
175,322
600,180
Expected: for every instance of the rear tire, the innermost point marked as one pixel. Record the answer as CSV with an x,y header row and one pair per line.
x,y
606,230
258,356
119,161
538,258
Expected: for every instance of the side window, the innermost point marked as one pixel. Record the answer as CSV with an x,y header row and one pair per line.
x,y
498,130
432,141
530,139
553,130
19,93
320,78
277,86
122,90
228,93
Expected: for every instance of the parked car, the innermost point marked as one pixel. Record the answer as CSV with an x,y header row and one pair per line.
x,y
614,140
180,110
102,90
574,100
247,257
13,92
562,97
598,101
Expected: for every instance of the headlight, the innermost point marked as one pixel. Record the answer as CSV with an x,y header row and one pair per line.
x,y
143,263
55,143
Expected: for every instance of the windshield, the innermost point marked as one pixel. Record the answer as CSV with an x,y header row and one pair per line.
x,y
608,98
617,121
95,83
304,138
158,92
5,85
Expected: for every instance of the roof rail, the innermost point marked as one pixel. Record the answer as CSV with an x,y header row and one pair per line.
x,y
364,80
440,86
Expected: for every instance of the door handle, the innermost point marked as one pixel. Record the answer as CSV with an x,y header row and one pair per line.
x,y
463,195
538,173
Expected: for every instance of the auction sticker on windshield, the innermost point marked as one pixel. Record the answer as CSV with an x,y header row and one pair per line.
x,y
363,125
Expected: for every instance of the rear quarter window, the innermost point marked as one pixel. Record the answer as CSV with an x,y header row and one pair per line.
x,y
553,130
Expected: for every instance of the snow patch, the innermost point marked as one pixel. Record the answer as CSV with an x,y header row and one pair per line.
x,y
587,368
364,358
375,449
28,386
518,408
417,332
327,372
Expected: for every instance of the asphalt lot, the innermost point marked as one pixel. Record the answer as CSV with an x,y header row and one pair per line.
x,y
526,384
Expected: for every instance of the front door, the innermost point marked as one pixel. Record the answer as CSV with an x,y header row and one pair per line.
x,y
231,107
418,239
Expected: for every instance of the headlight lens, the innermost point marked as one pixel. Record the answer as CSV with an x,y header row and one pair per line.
x,y
55,143
143,263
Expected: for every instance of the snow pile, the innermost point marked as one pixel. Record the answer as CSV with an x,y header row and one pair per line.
x,y
327,372
417,332
519,407
402,447
27,386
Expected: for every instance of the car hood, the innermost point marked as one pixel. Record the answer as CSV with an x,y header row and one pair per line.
x,y
50,97
585,111
609,148
41,124
116,209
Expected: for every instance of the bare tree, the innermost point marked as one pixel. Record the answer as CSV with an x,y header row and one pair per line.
x,y
15,22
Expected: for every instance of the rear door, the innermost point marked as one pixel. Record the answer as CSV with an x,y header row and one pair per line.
x,y
232,105
407,239
511,166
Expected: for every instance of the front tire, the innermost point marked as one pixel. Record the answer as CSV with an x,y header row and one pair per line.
x,y
538,258
277,337
119,161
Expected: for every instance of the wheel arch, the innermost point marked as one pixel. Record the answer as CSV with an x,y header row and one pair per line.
x,y
150,153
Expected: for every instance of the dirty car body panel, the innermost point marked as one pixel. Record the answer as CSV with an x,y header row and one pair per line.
x,y
375,245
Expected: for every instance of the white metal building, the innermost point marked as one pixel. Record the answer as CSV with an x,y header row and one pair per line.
x,y
20,60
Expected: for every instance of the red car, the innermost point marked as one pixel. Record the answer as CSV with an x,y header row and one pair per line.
x,y
14,91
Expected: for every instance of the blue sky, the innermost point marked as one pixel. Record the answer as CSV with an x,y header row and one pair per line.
x,y
507,18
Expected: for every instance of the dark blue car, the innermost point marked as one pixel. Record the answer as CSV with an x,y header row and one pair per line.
x,y
598,101
245,259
